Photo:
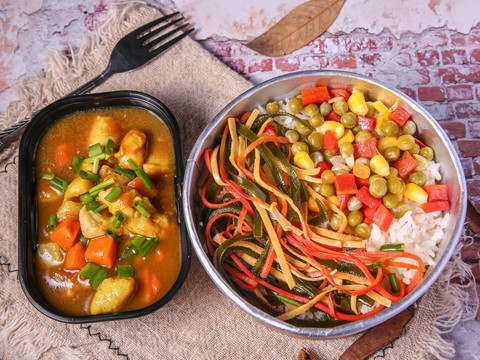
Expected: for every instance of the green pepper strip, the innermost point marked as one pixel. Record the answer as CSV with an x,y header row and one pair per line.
x,y
343,266
258,266
232,208
249,187
264,117
267,157
320,219
257,224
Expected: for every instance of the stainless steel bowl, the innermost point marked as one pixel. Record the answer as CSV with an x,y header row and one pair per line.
x,y
282,87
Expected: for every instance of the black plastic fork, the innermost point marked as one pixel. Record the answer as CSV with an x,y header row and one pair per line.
x,y
132,51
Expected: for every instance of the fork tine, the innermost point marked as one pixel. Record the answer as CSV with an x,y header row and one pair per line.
x,y
158,40
152,34
172,42
151,24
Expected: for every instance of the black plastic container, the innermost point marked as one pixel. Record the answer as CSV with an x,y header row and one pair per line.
x,y
27,199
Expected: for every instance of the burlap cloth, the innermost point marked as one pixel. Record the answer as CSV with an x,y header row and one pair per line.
x,y
200,322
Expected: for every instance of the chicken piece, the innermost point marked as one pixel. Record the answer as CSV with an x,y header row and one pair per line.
x,y
154,226
106,172
104,128
69,209
157,162
112,295
77,187
132,147
93,225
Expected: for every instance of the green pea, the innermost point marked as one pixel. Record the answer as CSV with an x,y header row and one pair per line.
x,y
316,187
346,149
328,155
427,153
354,204
316,139
327,190
302,129
328,177
415,150
335,222
311,109
405,142
355,218
417,177
325,108
409,128
362,136
363,231
389,128
292,136
390,201
299,146
378,187
272,107
392,153
356,129
316,120
295,105
349,120
396,185
393,172
340,107
401,209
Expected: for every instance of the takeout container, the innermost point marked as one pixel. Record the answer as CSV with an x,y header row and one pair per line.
x,y
284,87
27,200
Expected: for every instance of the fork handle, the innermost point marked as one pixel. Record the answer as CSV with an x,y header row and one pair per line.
x,y
9,135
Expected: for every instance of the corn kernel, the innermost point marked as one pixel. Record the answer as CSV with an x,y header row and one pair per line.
x,y
334,200
348,137
334,126
303,160
379,165
378,124
415,193
381,108
361,170
386,142
357,104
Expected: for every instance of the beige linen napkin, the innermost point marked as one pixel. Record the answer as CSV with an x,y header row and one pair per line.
x,y
200,322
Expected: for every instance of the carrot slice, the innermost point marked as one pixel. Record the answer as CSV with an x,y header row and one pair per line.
x,y
65,233
315,95
64,154
138,185
149,285
75,258
101,251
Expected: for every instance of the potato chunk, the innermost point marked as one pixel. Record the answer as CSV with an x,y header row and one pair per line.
x,y
104,128
77,187
112,294
69,209
50,253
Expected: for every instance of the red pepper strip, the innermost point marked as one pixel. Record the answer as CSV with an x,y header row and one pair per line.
x,y
333,116
383,218
419,143
400,116
241,219
362,182
245,117
221,160
212,205
370,287
260,140
437,205
323,166
367,199
345,184
232,271
268,263
340,92
436,192
343,201
330,142
241,266
323,284
382,291
206,156
366,148
316,95
405,165
366,123
368,214
331,302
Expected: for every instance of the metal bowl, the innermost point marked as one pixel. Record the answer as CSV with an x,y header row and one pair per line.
x,y
428,130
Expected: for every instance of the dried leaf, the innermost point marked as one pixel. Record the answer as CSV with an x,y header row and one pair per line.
x,y
299,27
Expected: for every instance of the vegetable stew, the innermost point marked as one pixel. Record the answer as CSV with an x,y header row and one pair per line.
x,y
108,238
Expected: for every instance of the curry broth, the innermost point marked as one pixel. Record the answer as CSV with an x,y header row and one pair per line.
x,y
66,290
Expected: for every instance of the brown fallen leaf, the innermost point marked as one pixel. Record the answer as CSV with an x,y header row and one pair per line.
x,y
299,27
305,355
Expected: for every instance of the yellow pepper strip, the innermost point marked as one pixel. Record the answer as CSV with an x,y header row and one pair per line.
x,y
381,108
214,164
371,294
347,137
235,145
301,309
264,126
252,118
353,304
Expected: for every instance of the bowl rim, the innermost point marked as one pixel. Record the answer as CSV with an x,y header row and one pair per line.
x,y
30,139
349,328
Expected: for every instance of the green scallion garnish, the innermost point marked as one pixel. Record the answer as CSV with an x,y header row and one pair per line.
x,y
86,198
127,173
128,254
113,194
125,270
112,234
89,176
147,246
377,265
142,209
84,240
132,164
145,179
394,283
96,164
117,219
100,208
52,223
109,147
90,160
99,187
76,164
391,247
59,184
137,241
92,205
95,150
89,270
48,176
288,300
97,279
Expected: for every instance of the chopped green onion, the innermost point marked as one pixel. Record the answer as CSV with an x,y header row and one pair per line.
x,y
84,240
257,225
377,265
394,283
137,242
112,234
142,209
59,184
109,147
96,164
95,150
128,254
113,194
97,279
90,160
132,164
89,270
76,164
392,247
86,198
100,208
147,247
48,176
366,300
125,172
125,270
101,186
345,292
52,223
117,219
92,205
145,179
89,176
288,300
